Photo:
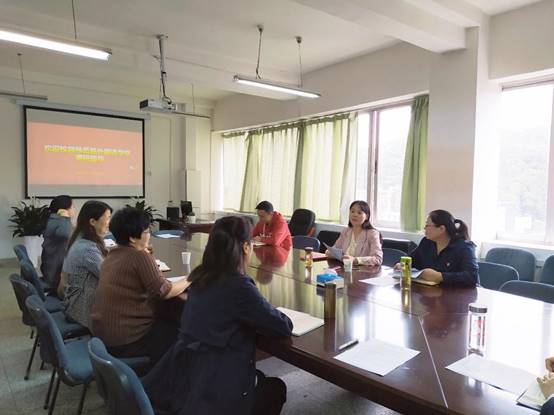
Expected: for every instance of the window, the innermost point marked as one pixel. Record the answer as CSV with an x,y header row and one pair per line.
x,y
382,137
523,212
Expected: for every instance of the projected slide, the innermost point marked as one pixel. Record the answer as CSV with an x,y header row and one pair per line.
x,y
83,155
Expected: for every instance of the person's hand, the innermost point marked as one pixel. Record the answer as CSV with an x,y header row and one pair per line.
x,y
550,364
149,249
397,266
350,257
328,253
257,239
546,383
429,274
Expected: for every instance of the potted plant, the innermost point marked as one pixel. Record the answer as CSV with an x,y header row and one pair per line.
x,y
140,204
28,221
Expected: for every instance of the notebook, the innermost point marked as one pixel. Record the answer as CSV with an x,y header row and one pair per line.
x,y
302,322
533,397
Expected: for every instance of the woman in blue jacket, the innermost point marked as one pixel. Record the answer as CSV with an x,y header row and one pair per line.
x,y
211,368
446,254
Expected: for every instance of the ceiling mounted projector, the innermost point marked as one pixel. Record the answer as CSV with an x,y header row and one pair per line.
x,y
164,104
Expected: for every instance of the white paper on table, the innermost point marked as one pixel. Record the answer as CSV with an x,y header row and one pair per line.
x,y
415,273
167,236
258,243
335,253
162,265
532,397
109,243
175,279
302,323
377,356
383,281
496,374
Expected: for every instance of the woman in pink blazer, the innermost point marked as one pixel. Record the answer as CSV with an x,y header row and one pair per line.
x,y
360,241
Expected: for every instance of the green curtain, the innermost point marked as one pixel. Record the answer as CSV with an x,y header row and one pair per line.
x,y
412,204
235,150
271,168
324,181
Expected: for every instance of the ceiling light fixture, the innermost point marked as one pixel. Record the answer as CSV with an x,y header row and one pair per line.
x,y
64,47
272,85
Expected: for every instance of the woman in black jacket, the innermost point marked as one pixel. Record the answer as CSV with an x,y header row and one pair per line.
x,y
211,368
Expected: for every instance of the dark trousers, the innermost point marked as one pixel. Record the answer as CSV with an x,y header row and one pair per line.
x,y
154,344
270,395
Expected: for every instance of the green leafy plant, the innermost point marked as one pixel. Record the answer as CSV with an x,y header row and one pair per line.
x,y
29,219
140,204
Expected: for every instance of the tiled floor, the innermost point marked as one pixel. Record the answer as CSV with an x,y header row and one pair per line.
x,y
307,394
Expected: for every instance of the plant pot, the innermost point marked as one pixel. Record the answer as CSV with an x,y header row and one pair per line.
x,y
33,244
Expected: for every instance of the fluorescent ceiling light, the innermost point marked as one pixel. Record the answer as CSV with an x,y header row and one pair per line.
x,y
274,86
64,47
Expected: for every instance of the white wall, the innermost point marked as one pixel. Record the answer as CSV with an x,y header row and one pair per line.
x,y
395,72
521,41
164,142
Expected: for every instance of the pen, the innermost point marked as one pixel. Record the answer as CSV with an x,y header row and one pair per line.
x,y
348,344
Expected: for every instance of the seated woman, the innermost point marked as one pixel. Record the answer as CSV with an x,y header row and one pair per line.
x,y
360,242
211,369
446,255
56,237
84,258
128,291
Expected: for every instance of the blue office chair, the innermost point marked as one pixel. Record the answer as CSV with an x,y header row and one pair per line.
x,y
70,361
29,274
22,254
117,383
404,245
168,232
523,261
547,272
392,256
301,242
327,237
493,276
69,330
535,290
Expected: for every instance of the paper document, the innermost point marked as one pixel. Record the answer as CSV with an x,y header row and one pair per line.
x,y
175,279
162,266
109,243
383,281
167,236
377,356
258,243
335,253
496,374
533,397
415,273
302,322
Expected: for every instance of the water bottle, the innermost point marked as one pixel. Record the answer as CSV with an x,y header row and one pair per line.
x,y
308,253
477,320
406,276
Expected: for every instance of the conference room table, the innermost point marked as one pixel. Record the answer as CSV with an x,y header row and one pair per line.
x,y
431,320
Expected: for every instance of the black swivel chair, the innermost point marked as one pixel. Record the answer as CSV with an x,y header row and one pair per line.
x,y
302,223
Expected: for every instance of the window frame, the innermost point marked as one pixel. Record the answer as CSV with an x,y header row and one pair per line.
x,y
549,225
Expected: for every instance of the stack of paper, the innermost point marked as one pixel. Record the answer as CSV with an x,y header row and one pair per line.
x,y
258,243
377,356
496,374
334,253
302,322
175,279
167,236
109,243
383,281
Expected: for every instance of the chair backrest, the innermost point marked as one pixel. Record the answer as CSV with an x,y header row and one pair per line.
x,y
168,232
21,252
52,347
547,272
301,222
301,242
29,274
392,256
535,290
328,237
22,290
523,261
493,276
404,245
117,383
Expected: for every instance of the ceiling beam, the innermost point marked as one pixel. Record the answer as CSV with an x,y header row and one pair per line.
x,y
458,12
399,19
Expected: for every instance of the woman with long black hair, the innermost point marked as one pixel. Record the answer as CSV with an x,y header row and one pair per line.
x,y
211,368
85,255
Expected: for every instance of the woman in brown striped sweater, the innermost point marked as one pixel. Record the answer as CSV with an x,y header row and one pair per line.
x,y
130,286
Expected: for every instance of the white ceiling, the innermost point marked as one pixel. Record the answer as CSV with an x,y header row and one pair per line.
x,y
210,40
500,6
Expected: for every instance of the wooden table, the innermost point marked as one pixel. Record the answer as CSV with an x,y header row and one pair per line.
x,y
433,320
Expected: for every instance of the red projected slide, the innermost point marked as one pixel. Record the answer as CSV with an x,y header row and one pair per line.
x,y
75,155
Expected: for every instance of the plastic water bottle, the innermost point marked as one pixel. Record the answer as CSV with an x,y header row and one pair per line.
x,y
477,322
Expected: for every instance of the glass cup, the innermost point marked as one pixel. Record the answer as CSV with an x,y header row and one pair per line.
x,y
348,262
185,257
